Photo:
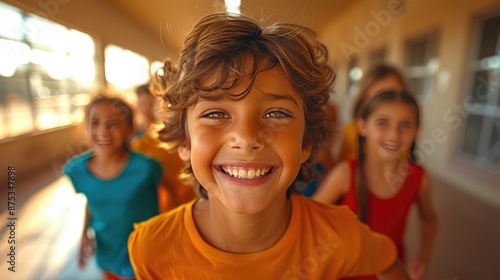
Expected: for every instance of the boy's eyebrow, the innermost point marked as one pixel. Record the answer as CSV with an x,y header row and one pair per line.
x,y
278,97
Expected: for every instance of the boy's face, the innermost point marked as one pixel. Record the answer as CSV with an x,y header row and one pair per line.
x,y
107,128
246,153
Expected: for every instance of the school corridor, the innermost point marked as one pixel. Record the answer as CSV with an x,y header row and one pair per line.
x,y
49,224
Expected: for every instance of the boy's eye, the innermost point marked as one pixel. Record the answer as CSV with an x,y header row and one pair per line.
x,y
216,115
277,115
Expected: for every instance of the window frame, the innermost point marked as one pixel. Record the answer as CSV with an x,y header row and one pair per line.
x,y
482,165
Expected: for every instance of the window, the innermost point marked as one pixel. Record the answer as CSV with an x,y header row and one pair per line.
x,y
377,56
126,70
481,133
46,74
421,64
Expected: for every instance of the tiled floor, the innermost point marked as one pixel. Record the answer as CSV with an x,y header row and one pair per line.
x,y
49,225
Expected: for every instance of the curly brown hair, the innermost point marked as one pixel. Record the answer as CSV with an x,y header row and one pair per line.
x,y
221,43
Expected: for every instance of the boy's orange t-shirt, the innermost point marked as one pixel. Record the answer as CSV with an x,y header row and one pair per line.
x,y
321,242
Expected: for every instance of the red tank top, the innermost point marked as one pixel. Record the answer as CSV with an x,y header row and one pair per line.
x,y
388,216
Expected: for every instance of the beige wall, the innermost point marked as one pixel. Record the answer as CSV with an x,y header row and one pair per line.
x,y
453,20
41,151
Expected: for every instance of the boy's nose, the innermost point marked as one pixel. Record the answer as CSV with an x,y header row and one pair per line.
x,y
250,135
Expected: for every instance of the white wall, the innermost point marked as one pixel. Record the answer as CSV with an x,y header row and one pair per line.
x,y
453,20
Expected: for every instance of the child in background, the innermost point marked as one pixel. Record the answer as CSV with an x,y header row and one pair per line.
x,y
381,185
246,113
120,186
172,191
377,79
325,159
145,110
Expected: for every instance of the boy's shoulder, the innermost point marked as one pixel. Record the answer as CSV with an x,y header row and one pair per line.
x,y
163,221
159,231
321,207
322,214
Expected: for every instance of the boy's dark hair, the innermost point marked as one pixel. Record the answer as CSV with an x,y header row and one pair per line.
x,y
222,43
367,109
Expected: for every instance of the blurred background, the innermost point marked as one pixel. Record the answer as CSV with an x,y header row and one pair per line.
x,y
55,53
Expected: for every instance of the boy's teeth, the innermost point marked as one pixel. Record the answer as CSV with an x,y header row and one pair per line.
x,y
257,173
245,174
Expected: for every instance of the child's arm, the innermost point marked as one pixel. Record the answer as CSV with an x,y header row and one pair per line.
x,y
378,256
87,244
395,272
428,219
335,184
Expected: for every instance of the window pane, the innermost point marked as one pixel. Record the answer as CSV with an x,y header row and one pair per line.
x,y
46,73
473,126
15,109
494,152
417,52
483,91
378,56
11,22
12,54
416,85
20,116
125,70
47,34
489,37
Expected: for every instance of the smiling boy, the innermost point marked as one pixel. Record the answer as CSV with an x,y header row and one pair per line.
x,y
245,112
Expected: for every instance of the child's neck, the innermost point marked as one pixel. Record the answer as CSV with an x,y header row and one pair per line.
x,y
241,233
385,178
109,166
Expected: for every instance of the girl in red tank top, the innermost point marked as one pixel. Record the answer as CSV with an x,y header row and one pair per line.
x,y
381,185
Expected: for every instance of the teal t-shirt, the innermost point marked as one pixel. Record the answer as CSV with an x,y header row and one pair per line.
x,y
116,204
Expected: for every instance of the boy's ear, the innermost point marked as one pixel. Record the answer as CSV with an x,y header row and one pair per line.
x,y
361,127
184,151
306,153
